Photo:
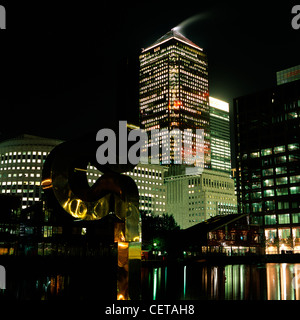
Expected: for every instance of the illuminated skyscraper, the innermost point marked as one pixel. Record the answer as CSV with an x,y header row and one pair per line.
x,y
220,135
268,163
173,91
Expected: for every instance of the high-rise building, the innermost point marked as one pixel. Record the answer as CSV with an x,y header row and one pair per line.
x,y
220,135
173,91
268,163
21,164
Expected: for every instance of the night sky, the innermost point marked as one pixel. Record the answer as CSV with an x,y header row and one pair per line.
x,y
67,70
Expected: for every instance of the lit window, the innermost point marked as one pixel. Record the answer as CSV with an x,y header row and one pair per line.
x,y
268,183
282,180
296,217
266,152
283,218
279,149
267,172
270,219
269,193
282,191
295,179
281,170
293,146
295,190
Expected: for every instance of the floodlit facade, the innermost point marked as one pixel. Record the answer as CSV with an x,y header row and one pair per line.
x,y
268,163
21,164
173,91
193,199
149,179
220,135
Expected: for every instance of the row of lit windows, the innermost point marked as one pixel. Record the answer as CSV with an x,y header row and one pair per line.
x,y
270,205
279,181
192,84
194,76
19,168
24,153
22,161
25,183
219,149
211,183
155,76
15,175
269,172
282,218
20,191
272,192
172,51
149,59
275,150
197,68
219,204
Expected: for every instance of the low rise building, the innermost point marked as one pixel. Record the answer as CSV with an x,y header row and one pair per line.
x,y
193,199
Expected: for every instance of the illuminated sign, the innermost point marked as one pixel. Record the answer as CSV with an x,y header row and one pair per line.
x,y
219,104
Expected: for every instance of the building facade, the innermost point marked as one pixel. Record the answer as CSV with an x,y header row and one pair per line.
x,y
21,164
268,163
220,135
288,75
193,199
173,90
149,179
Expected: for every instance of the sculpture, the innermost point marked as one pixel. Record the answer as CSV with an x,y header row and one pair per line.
x,y
64,179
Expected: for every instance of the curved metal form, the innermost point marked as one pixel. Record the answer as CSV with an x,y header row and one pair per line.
x,y
64,179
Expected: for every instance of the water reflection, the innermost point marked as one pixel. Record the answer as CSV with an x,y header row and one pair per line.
x,y
271,281
283,281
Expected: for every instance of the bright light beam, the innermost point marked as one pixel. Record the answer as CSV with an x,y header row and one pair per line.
x,y
191,20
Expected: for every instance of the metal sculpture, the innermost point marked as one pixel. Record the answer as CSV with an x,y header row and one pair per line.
x,y
65,180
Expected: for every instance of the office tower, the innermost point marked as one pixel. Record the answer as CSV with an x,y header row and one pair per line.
x,y
21,164
193,199
288,75
220,135
173,91
149,179
268,163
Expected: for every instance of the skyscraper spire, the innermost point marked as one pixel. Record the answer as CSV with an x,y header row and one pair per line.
x,y
173,33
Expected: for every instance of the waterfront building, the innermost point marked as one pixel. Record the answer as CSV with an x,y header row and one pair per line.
x,y
21,164
220,135
223,235
194,199
268,163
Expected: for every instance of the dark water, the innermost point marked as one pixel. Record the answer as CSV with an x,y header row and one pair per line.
x,y
271,281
